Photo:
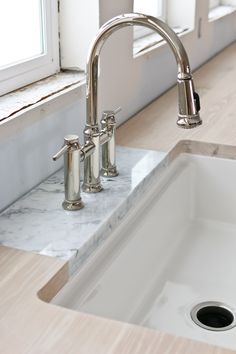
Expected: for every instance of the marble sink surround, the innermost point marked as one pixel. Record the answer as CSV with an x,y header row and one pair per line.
x,y
37,222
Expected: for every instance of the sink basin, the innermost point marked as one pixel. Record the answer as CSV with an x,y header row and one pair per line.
x,y
173,251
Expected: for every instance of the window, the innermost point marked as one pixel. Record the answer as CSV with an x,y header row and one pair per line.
x,y
169,11
148,7
29,42
213,4
219,8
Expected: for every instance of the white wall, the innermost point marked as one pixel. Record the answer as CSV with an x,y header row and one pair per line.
x,y
79,17
28,142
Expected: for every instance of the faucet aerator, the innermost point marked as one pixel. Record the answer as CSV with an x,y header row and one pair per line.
x,y
189,122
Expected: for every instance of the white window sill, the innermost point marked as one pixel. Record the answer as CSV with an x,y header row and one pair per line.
x,y
19,101
143,44
220,11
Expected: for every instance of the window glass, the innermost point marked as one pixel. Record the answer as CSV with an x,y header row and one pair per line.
x,y
21,30
220,8
149,7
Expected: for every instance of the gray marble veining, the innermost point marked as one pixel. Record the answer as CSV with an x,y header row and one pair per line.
x,y
37,222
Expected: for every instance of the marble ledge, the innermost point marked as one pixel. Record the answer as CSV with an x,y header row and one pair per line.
x,y
37,222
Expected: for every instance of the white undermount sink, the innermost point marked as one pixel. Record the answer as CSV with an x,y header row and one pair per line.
x,y
174,250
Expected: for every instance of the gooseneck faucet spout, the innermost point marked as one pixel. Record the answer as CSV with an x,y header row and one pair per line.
x,y
189,104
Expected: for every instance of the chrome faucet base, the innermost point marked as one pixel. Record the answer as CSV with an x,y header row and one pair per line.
x,y
71,206
109,172
92,188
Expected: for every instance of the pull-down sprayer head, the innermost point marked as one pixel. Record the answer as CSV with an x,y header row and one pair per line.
x,y
189,104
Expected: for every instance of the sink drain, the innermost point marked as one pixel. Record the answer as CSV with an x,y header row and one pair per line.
x,y
214,316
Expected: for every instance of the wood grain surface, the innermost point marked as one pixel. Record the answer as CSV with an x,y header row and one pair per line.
x,y
28,324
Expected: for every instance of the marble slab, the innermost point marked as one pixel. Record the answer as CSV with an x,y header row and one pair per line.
x,y
37,222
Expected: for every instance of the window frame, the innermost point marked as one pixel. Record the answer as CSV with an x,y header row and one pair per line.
x,y
215,3
220,8
140,32
18,75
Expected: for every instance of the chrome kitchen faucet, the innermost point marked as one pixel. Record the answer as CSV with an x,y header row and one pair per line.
x,y
96,137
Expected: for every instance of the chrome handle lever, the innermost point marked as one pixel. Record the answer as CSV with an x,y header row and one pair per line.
x,y
60,153
117,110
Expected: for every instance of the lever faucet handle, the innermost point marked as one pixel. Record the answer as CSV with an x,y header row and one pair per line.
x,y
117,110
72,156
108,123
108,116
60,152
68,141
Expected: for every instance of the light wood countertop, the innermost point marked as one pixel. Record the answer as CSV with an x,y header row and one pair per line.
x,y
30,325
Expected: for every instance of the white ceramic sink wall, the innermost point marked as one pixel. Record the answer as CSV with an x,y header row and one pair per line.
x,y
174,250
